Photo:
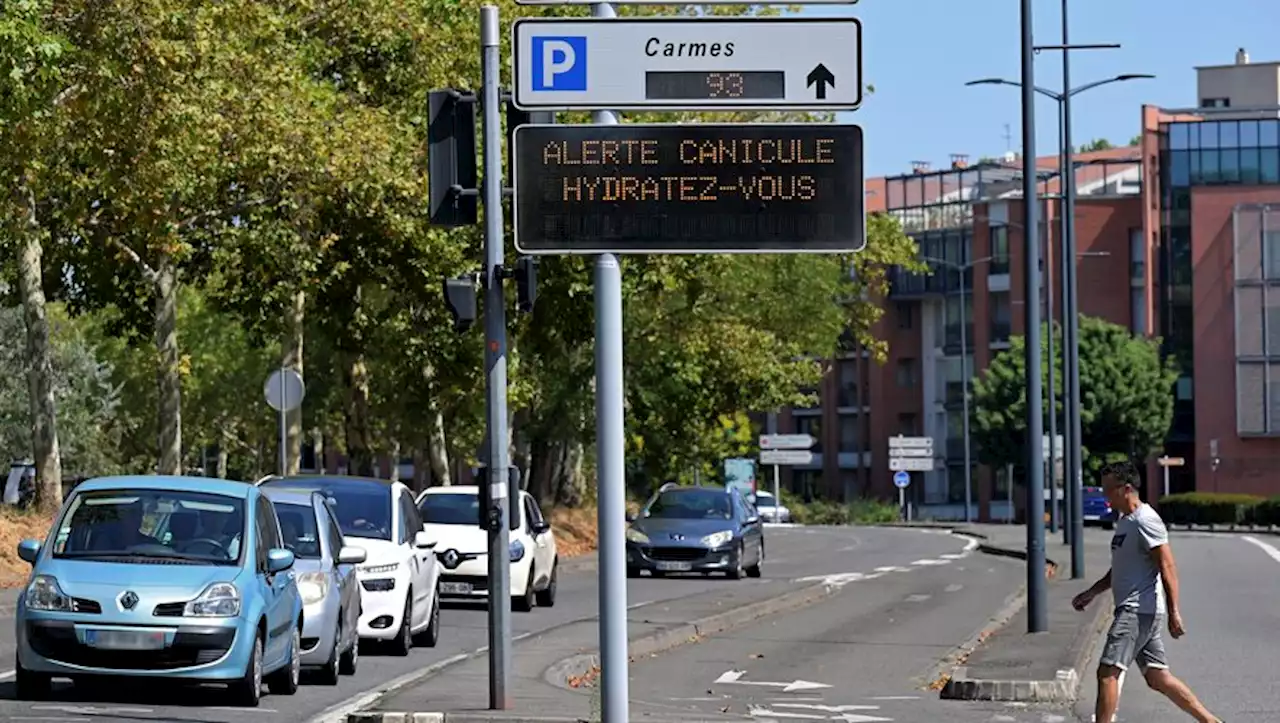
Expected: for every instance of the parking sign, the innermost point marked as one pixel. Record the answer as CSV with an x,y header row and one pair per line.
x,y
559,63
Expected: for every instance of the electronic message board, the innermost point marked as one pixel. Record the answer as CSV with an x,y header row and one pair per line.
x,y
688,188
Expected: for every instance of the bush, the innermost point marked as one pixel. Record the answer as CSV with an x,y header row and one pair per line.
x,y
1267,512
860,512
1209,508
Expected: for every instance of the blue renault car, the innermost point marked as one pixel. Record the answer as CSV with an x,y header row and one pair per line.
x,y
1095,509
696,529
181,579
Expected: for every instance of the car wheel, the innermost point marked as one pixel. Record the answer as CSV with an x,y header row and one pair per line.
x,y
754,570
547,598
30,685
248,690
285,680
350,659
737,573
403,641
633,572
429,637
330,672
526,601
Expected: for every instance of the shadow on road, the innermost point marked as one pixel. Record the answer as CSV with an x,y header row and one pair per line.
x,y
125,700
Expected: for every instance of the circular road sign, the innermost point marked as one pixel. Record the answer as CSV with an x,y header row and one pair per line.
x,y
284,390
901,479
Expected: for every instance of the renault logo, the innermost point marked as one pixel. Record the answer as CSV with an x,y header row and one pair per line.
x,y
451,559
677,536
128,600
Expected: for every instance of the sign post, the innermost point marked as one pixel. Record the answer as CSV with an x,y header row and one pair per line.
x,y
1166,462
284,391
785,449
908,454
902,480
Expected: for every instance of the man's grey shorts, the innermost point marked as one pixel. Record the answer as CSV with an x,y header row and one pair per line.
x,y
1135,636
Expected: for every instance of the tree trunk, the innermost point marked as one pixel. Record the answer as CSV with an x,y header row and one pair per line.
x,y
293,342
44,418
393,474
421,468
571,485
224,445
317,444
359,454
519,449
168,374
438,450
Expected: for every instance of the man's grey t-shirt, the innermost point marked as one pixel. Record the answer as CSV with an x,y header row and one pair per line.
x,y
1135,577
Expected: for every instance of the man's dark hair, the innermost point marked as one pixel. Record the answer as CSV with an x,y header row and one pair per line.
x,y
1124,472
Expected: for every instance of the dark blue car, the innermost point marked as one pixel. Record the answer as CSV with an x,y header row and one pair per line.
x,y
696,529
1097,510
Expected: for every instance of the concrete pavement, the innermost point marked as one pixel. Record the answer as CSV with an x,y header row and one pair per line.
x,y
793,553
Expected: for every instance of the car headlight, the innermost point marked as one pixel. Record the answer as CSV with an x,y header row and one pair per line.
x,y
636,536
717,539
517,550
219,600
376,569
44,594
313,586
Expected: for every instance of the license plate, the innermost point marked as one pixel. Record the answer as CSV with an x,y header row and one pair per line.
x,y
674,566
1093,517
455,588
124,640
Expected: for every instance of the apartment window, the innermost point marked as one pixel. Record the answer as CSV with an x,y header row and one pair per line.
x,y
811,426
1001,319
907,425
848,391
906,372
1138,310
1137,256
906,315
850,440
999,250
1215,102
955,485
1271,255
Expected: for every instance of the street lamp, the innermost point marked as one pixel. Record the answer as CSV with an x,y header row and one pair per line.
x,y
960,270
1074,531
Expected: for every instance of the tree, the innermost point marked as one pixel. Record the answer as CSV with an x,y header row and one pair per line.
x,y
1097,144
1136,140
1126,405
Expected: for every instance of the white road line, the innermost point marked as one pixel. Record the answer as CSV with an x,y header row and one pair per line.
x,y
6,675
918,598
1271,550
894,697
953,587
891,568
931,562
954,556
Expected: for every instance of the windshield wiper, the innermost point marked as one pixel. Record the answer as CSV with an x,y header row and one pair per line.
x,y
138,556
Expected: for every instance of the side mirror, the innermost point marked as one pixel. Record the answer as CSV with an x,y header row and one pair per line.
x,y
279,560
541,527
29,550
349,555
753,519
422,541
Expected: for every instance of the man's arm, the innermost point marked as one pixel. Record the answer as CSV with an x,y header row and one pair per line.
x,y
1101,586
1163,556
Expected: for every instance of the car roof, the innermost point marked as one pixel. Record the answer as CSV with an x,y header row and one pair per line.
x,y
208,485
454,489
319,482
289,496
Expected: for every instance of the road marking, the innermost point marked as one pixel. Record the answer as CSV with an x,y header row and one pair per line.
x,y
931,562
953,587
48,718
92,709
733,677
758,712
891,568
233,709
894,697
954,556
828,708
918,598
1271,550
7,674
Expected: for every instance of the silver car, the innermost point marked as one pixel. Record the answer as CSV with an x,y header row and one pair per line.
x,y
325,567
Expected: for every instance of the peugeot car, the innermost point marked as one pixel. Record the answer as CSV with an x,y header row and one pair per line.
x,y
173,578
696,529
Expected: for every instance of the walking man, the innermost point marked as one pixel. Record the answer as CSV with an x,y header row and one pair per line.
x,y
1144,583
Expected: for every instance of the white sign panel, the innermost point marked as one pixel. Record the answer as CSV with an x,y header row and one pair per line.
x,y
1058,444
786,456
910,464
911,443
798,63
786,441
910,451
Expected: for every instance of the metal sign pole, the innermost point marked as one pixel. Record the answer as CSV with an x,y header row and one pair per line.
x,y
495,330
610,450
284,425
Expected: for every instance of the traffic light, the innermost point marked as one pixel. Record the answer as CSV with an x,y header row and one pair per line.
x,y
526,274
451,159
460,297
488,510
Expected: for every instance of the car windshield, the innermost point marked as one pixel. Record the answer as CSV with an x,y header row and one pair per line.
x,y
363,507
299,530
450,508
690,504
764,500
152,526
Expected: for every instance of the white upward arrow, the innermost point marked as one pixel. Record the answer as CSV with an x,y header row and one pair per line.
x,y
827,708
732,676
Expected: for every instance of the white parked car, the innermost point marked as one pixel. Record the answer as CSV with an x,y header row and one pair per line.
x,y
769,508
400,579
452,517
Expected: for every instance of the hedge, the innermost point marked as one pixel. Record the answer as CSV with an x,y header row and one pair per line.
x,y
861,512
1211,508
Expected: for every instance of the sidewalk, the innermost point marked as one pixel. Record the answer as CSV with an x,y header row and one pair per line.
x,y
555,672
1013,665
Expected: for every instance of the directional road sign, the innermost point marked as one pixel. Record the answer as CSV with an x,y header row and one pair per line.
x,y
786,441
1171,461
797,63
688,188
901,479
911,464
786,456
911,451
910,443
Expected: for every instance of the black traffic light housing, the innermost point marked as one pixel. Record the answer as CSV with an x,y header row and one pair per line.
x,y
451,158
460,297
515,119
526,274
489,513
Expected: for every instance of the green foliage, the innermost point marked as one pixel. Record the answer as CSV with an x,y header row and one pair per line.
x,y
1266,512
1126,406
859,512
1209,508
1097,144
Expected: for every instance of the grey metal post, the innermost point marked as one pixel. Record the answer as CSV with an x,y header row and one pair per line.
x,y
1071,315
1037,610
1068,489
964,381
495,362
611,474
1053,393
284,425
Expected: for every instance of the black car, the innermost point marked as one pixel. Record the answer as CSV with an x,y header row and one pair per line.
x,y
696,529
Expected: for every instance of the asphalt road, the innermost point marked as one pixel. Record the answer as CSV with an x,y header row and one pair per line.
x,y
861,656
793,554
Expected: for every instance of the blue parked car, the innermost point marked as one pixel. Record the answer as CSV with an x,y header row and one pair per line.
x,y
1096,509
183,579
696,529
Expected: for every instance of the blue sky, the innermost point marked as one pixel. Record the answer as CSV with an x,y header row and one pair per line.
x,y
919,54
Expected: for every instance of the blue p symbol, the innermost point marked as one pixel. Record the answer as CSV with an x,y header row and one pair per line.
x,y
560,63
